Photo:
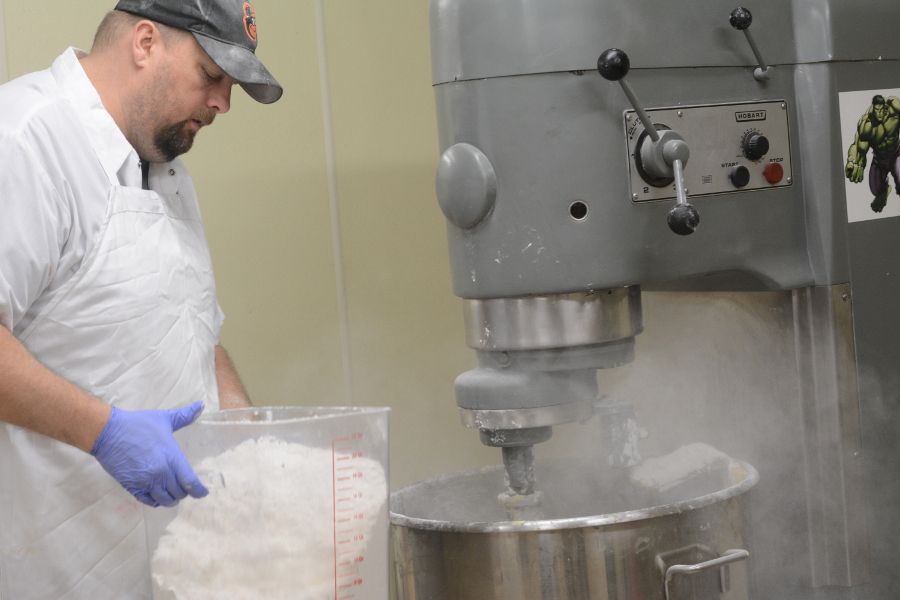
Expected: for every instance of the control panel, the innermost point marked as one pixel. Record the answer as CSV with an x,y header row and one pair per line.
x,y
733,147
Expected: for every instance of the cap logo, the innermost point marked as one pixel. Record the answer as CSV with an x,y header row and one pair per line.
x,y
250,21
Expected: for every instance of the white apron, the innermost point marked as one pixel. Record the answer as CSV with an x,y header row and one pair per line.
x,y
136,326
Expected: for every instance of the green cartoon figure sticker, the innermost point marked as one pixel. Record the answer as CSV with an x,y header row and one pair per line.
x,y
878,129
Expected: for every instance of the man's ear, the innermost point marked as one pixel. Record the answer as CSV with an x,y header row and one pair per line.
x,y
145,42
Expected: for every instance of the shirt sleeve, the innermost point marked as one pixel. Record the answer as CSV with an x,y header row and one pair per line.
x,y
34,225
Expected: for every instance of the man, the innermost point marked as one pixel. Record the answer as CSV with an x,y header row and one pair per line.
x,y
879,129
108,313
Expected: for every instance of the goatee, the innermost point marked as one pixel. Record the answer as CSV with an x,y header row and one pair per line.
x,y
174,140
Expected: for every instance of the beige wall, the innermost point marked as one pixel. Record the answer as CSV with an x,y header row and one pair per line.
x,y
329,247
3,69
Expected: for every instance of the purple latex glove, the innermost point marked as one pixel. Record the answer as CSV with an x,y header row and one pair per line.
x,y
137,448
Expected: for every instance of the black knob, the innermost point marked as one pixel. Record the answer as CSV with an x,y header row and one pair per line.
x,y
613,64
740,18
755,146
740,176
683,219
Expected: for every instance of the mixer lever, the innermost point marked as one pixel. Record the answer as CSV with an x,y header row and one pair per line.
x,y
740,19
662,158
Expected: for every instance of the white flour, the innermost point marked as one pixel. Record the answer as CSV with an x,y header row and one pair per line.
x,y
266,528
665,472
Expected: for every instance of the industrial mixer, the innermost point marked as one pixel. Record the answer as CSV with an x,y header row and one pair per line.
x,y
672,194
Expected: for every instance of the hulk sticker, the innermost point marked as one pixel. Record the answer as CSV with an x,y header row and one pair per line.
x,y
871,137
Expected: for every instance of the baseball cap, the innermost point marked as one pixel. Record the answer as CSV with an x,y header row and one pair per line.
x,y
225,29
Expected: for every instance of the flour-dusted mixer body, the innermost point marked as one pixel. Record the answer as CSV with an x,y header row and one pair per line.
x,y
669,191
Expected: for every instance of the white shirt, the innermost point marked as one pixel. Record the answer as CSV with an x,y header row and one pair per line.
x,y
111,287
53,191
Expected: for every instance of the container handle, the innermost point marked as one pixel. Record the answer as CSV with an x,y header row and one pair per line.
x,y
727,557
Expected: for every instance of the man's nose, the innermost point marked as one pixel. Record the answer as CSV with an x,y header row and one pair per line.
x,y
220,96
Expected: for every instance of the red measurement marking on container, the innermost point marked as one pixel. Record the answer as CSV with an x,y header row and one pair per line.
x,y
348,501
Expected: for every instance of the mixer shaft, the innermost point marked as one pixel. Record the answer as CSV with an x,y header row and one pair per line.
x,y
520,500
519,463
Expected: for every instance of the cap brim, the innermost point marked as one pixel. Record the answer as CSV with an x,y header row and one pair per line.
x,y
244,67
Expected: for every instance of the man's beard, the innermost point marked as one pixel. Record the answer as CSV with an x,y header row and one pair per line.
x,y
173,140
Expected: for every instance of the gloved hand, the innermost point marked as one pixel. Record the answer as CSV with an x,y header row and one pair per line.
x,y
138,450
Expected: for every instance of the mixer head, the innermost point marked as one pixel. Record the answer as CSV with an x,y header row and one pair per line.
x,y
538,357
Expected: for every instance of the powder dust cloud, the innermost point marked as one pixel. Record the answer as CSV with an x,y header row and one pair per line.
x,y
720,372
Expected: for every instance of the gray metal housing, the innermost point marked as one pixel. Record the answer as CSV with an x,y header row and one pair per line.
x,y
517,81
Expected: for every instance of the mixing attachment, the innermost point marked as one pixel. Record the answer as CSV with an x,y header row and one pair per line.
x,y
520,500
538,358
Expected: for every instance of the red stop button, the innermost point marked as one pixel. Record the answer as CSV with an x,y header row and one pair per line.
x,y
774,173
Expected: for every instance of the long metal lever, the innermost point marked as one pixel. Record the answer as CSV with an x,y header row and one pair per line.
x,y
649,127
683,219
740,19
613,65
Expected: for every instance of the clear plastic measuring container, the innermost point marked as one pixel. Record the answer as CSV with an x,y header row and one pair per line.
x,y
297,508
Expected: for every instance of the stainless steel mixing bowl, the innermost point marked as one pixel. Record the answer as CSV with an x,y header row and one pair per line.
x,y
601,537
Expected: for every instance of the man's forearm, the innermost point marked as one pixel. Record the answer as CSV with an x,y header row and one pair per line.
x,y
231,391
35,398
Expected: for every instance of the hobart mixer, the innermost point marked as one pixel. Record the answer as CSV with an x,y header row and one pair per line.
x,y
697,168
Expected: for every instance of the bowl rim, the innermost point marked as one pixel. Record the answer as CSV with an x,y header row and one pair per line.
x,y
750,479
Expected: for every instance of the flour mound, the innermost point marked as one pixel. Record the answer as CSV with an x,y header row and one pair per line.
x,y
663,473
266,528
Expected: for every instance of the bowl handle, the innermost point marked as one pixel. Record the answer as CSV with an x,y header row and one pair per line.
x,y
727,557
